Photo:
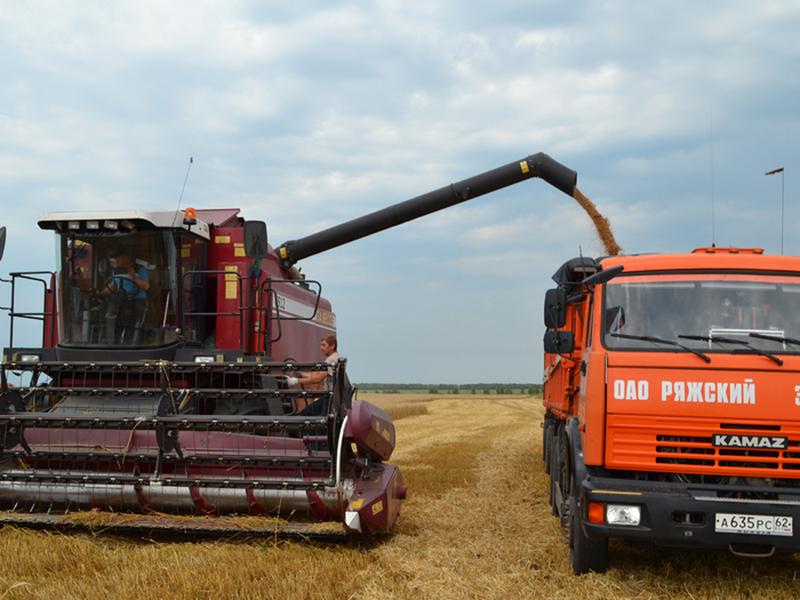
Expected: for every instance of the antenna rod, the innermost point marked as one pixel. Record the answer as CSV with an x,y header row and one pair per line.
x,y
775,172
183,189
185,179
711,152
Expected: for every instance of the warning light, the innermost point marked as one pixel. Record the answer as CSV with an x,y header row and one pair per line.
x,y
190,216
596,513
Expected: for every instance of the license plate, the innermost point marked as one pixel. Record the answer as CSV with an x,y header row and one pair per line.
x,y
752,524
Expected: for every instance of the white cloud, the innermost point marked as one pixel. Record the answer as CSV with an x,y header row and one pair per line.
x,y
540,38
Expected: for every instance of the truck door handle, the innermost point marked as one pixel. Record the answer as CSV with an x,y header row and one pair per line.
x,y
583,367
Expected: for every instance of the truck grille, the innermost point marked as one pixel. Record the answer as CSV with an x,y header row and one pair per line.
x,y
687,445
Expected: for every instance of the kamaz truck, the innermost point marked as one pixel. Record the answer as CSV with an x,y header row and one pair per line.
x,y
672,396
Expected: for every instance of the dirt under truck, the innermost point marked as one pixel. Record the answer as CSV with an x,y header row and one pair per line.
x,y
672,395
172,400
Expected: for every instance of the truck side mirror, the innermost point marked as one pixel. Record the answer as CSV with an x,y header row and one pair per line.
x,y
2,241
255,239
555,308
559,342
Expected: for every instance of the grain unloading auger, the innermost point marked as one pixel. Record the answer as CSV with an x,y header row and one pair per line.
x,y
537,165
164,401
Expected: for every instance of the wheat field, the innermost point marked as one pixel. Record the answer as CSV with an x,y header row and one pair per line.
x,y
476,525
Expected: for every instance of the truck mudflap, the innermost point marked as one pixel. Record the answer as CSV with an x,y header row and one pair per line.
x,y
747,520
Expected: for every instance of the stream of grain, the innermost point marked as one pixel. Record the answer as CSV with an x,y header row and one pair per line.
x,y
600,222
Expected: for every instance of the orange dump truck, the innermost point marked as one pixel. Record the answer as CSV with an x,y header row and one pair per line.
x,y
672,395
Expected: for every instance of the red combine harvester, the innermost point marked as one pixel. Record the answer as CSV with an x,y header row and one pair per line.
x,y
163,385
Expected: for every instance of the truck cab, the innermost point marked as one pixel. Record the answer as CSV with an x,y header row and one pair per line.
x,y
672,396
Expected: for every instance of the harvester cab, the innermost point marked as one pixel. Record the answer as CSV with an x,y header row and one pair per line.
x,y
162,385
121,282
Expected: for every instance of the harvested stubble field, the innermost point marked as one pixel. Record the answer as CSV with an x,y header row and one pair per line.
x,y
476,525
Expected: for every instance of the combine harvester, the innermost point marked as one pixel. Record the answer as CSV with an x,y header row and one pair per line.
x,y
162,392
162,386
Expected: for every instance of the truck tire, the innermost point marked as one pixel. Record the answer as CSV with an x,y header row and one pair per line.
x,y
563,471
586,554
552,470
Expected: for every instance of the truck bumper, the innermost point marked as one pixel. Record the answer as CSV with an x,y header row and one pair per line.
x,y
675,514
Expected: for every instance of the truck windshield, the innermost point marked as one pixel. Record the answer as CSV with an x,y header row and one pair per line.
x,y
117,289
759,311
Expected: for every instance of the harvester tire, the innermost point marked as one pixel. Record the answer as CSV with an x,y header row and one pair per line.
x,y
586,554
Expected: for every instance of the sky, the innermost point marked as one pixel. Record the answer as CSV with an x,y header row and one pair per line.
x,y
307,114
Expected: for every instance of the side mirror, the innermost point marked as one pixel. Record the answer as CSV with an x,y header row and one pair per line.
x,y
2,241
255,239
555,308
559,342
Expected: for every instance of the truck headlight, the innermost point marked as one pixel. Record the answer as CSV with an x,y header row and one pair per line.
x,y
623,514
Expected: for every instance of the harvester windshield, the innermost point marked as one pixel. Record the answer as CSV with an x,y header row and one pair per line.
x,y
129,289
700,310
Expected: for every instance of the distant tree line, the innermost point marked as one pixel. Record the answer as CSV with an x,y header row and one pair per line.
x,y
451,388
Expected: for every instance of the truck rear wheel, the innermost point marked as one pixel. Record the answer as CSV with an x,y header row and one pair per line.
x,y
547,428
586,554
553,470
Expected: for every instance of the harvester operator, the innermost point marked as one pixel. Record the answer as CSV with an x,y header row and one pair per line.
x,y
128,284
328,345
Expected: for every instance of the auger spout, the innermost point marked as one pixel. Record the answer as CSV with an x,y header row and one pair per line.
x,y
536,165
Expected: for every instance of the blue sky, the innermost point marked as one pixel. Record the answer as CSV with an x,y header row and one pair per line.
x,y
306,114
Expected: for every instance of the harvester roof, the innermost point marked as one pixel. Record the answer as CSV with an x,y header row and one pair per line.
x,y
121,219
